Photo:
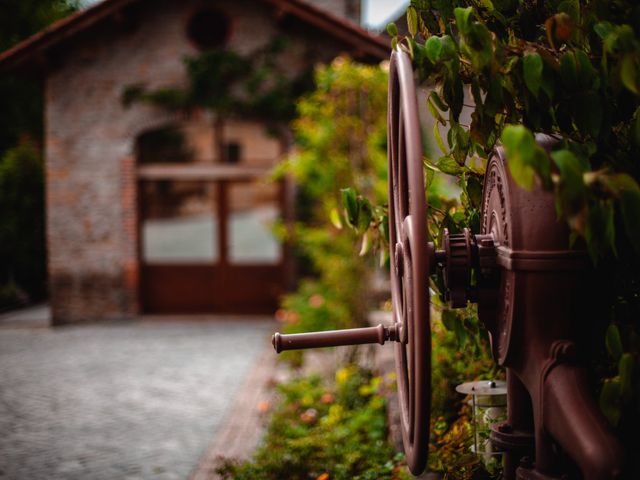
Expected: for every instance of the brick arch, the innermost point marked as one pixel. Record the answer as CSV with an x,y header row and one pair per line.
x,y
153,122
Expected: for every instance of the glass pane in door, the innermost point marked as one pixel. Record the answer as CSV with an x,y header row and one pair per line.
x,y
179,222
254,207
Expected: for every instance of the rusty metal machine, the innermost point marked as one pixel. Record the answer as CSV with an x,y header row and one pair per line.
x,y
527,283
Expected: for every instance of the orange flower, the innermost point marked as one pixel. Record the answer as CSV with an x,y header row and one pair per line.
x,y
309,416
293,317
281,315
327,398
316,300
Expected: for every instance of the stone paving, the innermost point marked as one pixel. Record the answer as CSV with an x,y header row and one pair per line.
x,y
120,401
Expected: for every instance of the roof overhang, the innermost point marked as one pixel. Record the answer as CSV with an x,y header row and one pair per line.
x,y
33,51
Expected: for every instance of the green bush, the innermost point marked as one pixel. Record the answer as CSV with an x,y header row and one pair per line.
x,y
22,241
322,430
342,143
340,135
22,237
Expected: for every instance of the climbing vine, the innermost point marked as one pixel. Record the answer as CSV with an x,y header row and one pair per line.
x,y
566,68
226,82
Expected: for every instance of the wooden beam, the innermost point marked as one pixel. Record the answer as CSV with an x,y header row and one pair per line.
x,y
168,171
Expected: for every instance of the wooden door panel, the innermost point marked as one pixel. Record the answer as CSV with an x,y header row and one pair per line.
x,y
249,289
211,289
177,288
206,246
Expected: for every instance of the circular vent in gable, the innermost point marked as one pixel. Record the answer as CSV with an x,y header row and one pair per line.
x,y
208,28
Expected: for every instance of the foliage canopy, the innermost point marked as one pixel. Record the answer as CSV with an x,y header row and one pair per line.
x,y
22,242
570,69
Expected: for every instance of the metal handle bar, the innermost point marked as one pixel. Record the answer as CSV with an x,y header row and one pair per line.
x,y
335,338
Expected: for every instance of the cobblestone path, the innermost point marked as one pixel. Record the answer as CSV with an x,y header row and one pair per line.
x,y
125,401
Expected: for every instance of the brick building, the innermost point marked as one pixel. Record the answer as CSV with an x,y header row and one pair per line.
x,y
134,229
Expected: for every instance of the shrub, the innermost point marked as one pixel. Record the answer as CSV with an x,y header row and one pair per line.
x,y
322,430
340,135
22,243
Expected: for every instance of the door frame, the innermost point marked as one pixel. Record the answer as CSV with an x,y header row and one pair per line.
x,y
213,288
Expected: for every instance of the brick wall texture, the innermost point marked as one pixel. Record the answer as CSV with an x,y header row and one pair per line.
x,y
92,224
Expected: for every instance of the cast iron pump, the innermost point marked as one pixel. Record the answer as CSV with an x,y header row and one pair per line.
x,y
527,283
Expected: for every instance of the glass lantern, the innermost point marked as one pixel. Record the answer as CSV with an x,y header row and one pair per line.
x,y
488,406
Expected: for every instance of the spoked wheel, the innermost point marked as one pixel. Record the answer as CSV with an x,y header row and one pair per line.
x,y
409,261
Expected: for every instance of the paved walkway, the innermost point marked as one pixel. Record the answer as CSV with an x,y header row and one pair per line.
x,y
121,401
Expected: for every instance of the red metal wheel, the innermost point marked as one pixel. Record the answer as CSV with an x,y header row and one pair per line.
x,y
409,261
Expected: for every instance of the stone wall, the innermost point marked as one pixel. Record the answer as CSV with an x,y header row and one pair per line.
x,y
92,224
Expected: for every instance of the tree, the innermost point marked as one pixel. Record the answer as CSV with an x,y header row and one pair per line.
x,y
20,97
22,241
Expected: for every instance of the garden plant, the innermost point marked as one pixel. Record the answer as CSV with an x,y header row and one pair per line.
x,y
22,219
568,69
341,158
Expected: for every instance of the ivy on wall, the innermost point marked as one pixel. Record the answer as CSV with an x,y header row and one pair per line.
x,y
223,81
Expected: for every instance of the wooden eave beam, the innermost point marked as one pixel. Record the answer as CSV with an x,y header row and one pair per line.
x,y
340,28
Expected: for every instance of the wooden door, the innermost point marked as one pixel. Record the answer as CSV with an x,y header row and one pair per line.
x,y
207,245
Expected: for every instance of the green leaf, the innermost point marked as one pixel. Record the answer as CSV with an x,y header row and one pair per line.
x,y
392,29
334,216
435,112
462,18
571,8
449,166
532,67
625,372
438,101
365,214
453,323
366,244
603,29
628,193
525,157
613,342
429,175
460,142
570,188
610,400
412,20
438,138
477,45
449,319
628,72
434,49
449,50
585,72
569,70
350,204
474,191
